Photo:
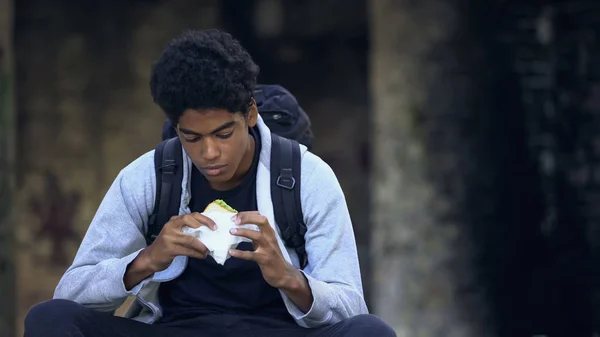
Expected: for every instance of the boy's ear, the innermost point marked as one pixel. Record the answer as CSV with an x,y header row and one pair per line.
x,y
252,116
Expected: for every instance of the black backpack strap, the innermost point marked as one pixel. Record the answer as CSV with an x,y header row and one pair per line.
x,y
168,164
285,193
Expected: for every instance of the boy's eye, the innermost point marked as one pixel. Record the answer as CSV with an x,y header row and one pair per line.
x,y
224,135
191,139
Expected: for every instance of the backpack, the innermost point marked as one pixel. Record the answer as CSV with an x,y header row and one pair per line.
x,y
289,125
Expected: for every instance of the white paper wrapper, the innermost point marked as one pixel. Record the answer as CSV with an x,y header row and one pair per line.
x,y
220,241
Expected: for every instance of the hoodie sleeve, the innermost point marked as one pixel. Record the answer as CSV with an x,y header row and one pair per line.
x,y
113,239
333,271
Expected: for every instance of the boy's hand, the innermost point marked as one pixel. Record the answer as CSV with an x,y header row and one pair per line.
x,y
275,269
172,242
266,249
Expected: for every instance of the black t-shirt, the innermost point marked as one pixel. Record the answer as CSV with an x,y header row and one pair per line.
x,y
237,287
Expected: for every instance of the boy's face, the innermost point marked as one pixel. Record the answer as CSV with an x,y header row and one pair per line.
x,y
218,143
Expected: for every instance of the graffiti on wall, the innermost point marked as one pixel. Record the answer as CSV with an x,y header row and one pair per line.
x,y
56,209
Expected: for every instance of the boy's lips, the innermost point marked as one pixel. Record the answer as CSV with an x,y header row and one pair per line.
x,y
213,170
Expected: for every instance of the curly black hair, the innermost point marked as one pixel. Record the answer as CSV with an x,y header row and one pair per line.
x,y
203,69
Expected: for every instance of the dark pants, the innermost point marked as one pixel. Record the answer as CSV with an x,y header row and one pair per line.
x,y
62,318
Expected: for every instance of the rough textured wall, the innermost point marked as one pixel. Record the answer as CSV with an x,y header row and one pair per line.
x,y
7,170
452,203
417,259
84,112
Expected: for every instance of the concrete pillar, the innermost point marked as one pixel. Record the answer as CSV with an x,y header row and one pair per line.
x,y
431,171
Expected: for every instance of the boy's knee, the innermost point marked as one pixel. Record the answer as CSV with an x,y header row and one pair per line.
x,y
55,309
50,315
369,325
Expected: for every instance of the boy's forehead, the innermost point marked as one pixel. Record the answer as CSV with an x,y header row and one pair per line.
x,y
207,120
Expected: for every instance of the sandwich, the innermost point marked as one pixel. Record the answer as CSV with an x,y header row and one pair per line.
x,y
220,240
219,206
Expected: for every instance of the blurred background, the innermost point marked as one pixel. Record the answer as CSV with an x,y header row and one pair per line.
x,y
465,135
